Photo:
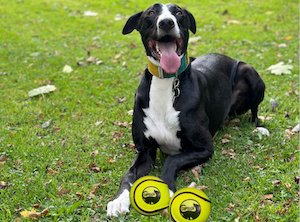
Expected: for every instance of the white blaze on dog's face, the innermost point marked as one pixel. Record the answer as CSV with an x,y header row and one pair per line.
x,y
165,31
166,18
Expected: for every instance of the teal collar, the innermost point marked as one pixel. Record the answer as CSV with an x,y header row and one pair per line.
x,y
157,71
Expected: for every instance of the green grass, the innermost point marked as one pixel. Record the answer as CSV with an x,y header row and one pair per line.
x,y
50,168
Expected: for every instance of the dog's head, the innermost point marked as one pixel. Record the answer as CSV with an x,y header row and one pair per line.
x,y
165,32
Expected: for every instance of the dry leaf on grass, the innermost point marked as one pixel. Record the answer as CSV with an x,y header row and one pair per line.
x,y
230,208
41,90
280,68
230,153
62,191
67,69
94,190
3,185
94,153
3,159
262,131
196,171
90,14
121,124
93,167
276,182
268,196
51,171
32,214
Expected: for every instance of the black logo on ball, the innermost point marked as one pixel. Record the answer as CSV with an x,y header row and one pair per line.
x,y
151,195
190,209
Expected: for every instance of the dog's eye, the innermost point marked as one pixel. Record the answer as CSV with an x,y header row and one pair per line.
x,y
179,13
151,13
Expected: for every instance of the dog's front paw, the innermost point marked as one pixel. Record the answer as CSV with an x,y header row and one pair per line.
x,y
119,205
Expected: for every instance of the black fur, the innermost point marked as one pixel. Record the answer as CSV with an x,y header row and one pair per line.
x,y
212,87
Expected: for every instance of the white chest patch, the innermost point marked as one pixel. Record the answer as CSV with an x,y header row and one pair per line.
x,y
161,119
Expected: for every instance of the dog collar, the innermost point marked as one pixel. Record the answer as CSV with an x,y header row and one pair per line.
x,y
155,69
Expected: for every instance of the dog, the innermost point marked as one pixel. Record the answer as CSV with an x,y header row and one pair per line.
x,y
181,102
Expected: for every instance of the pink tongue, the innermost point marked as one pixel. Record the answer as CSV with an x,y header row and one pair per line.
x,y
169,60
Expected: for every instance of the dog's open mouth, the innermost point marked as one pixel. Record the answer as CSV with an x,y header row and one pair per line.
x,y
167,51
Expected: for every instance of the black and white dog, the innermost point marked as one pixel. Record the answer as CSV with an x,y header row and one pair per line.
x,y
179,105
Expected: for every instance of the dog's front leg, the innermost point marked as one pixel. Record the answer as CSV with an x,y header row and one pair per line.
x,y
180,161
141,166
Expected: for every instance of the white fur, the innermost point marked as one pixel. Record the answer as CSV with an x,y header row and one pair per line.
x,y
161,119
166,14
119,205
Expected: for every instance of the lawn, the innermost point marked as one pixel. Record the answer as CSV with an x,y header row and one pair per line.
x,y
63,154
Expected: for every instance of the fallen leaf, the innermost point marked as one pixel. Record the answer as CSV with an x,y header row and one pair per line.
x,y
94,153
112,160
32,214
93,167
67,69
265,118
79,195
282,45
234,22
130,112
3,159
268,196
94,190
247,179
288,186
121,99
3,185
121,124
230,153
196,171
90,14
52,171
258,167
202,187
237,219
289,133
225,140
118,17
41,90
280,68
98,123
118,56
117,135
62,191
230,208
262,131
46,124
276,182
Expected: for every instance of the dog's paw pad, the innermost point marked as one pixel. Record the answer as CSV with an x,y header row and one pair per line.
x,y
119,205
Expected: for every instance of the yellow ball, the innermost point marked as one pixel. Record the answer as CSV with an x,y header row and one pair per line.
x,y
149,195
189,205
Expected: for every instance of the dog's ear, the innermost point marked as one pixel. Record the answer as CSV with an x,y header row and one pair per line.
x,y
192,25
132,23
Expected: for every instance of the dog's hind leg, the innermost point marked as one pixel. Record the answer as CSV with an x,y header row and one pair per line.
x,y
141,166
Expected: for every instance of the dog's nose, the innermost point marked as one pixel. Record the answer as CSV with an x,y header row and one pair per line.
x,y
166,24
